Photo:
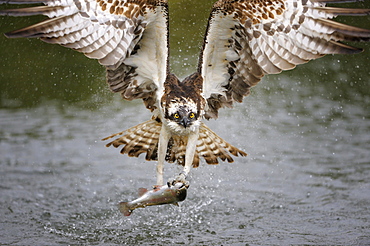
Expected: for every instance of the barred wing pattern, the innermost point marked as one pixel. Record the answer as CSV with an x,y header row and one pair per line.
x,y
143,139
129,37
247,39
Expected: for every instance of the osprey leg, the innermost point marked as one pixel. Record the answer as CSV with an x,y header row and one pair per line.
x,y
164,137
189,156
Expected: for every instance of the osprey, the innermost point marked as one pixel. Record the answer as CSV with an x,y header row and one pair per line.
x,y
244,40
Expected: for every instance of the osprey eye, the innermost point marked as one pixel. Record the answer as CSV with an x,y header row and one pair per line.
x,y
176,116
191,115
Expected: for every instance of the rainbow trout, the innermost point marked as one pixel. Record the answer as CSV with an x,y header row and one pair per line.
x,y
162,195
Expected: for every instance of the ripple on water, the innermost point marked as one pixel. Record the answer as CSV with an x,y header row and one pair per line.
x,y
305,179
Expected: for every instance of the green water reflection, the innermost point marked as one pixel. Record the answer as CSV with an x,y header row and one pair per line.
x,y
33,71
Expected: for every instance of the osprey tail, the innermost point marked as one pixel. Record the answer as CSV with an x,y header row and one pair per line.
x,y
211,147
143,138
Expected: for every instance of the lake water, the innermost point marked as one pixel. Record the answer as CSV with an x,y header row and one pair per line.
x,y
305,179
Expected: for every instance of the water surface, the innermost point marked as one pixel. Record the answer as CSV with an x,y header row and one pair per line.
x,y
305,180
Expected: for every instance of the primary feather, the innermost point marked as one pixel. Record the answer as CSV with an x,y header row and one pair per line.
x,y
130,38
248,39
244,40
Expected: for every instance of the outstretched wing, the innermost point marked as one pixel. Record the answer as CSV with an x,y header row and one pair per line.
x,y
128,37
247,39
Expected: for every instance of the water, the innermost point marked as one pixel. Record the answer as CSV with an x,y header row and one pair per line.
x,y
305,180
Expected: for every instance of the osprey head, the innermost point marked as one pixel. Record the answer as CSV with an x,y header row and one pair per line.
x,y
182,104
182,115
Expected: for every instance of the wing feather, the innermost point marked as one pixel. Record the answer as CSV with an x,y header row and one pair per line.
x,y
129,37
250,38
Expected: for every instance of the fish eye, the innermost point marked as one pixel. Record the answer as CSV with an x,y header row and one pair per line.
x,y
191,115
176,115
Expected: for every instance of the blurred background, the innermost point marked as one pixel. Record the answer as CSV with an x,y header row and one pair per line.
x,y
307,133
32,71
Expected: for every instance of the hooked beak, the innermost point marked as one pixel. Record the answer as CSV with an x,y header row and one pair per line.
x,y
185,122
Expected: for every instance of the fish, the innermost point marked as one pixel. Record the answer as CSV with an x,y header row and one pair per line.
x,y
166,194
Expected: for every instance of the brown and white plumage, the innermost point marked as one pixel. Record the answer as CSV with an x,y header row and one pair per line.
x,y
244,40
111,32
143,139
248,39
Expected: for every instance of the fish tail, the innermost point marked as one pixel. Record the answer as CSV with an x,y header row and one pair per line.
x,y
124,209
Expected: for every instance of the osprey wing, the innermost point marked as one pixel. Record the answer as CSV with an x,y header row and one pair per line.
x,y
130,38
247,39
